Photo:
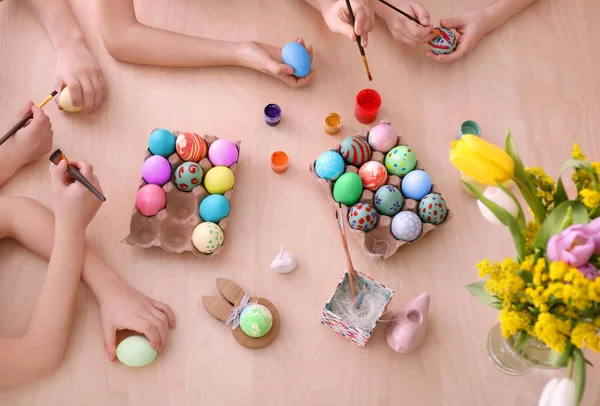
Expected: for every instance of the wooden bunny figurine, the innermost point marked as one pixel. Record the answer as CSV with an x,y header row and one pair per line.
x,y
229,307
407,330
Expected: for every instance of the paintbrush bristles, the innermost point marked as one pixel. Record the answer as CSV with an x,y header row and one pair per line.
x,y
358,41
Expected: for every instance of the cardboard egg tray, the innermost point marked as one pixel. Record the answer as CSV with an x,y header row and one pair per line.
x,y
379,243
172,227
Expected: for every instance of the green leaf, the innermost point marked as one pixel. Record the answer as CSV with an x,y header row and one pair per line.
x,y
579,375
561,194
525,275
477,289
504,217
587,361
557,220
522,339
595,213
521,215
533,310
523,182
559,360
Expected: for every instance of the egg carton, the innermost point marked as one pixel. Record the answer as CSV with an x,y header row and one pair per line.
x,y
379,243
172,227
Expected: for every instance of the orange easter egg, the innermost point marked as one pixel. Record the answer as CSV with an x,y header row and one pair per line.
x,y
191,147
373,175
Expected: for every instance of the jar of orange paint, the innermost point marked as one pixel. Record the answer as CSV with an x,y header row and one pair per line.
x,y
279,161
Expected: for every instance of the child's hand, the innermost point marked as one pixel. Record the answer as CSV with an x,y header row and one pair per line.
x,y
337,18
35,139
471,27
267,59
123,307
77,69
405,30
74,205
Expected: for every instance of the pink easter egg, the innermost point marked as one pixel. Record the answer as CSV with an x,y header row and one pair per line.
x,y
223,152
150,200
383,137
373,175
156,170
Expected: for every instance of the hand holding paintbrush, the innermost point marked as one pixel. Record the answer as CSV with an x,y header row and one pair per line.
x,y
73,169
407,20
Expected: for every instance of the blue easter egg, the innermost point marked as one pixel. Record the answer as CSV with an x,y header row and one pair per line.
x,y
295,55
214,208
330,165
416,184
161,142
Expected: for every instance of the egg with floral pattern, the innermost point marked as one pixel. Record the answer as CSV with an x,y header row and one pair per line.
x,y
400,160
406,226
187,176
355,150
373,175
362,216
432,209
388,200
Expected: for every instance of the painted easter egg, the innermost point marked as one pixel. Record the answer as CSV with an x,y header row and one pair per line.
x,y
65,101
416,184
156,170
388,200
355,151
256,320
400,160
432,209
150,200
219,180
214,208
296,56
191,147
383,137
445,43
207,237
406,226
136,351
161,142
373,175
362,216
347,189
187,176
330,165
223,152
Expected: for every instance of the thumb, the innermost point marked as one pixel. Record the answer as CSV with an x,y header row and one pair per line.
x,y
452,22
57,173
23,111
283,69
110,344
38,114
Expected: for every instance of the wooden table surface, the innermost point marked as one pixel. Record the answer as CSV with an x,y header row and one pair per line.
x,y
538,75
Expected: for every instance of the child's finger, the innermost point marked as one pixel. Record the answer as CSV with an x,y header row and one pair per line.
x,y
364,40
57,173
452,22
167,311
98,92
162,325
283,70
75,88
359,18
148,329
300,82
87,92
110,343
23,111
420,12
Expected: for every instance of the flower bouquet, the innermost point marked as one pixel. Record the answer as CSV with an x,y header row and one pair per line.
x,y
550,292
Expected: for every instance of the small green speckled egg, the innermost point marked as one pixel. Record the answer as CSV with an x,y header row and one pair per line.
x,y
135,351
187,176
432,209
388,200
256,320
400,160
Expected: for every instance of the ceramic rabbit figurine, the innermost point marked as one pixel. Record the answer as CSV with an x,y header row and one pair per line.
x,y
407,330
284,262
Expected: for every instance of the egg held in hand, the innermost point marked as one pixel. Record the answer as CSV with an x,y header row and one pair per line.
x,y
256,320
150,200
187,176
136,351
65,101
207,237
296,56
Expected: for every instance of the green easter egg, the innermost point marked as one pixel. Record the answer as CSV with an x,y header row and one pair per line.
x,y
388,200
256,320
135,351
348,189
400,160
187,176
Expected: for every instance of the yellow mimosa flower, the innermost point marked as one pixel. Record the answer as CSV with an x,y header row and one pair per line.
x,y
481,160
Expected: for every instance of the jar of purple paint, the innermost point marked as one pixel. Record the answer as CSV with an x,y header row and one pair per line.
x,y
272,114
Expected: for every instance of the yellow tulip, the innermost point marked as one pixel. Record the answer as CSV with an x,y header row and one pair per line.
x,y
481,160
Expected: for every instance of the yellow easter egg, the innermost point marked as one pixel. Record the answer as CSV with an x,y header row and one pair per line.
x,y
66,102
218,180
207,237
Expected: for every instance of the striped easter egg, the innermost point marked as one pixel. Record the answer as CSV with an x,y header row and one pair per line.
x,y
355,151
191,147
445,43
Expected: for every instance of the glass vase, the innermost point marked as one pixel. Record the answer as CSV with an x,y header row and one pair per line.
x,y
503,354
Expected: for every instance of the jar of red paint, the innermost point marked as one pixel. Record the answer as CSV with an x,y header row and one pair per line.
x,y
368,102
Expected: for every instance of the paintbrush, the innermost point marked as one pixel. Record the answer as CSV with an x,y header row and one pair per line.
x,y
435,30
360,47
58,156
25,119
352,277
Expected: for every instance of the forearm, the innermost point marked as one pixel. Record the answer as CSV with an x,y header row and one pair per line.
x,y
59,21
319,4
10,162
500,11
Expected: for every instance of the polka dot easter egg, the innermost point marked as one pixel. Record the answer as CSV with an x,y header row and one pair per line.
x,y
362,216
355,151
383,137
187,176
191,147
445,43
256,320
330,165
388,200
406,226
373,175
400,160
432,209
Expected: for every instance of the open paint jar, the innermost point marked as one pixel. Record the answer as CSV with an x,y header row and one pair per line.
x,y
272,114
368,102
333,123
468,127
279,161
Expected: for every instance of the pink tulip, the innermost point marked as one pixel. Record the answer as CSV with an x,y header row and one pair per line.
x,y
594,227
589,271
574,245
